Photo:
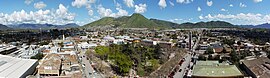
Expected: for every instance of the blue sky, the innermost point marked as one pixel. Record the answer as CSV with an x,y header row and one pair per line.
x,y
179,11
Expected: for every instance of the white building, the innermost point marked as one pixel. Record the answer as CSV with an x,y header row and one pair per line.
x,y
85,45
118,41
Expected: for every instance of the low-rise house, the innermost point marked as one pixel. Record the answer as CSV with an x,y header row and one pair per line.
x,y
257,67
217,48
6,49
227,48
85,45
60,65
147,42
50,65
118,41
164,44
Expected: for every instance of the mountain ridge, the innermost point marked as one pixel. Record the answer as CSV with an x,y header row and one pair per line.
x,y
4,27
134,21
137,20
43,26
264,25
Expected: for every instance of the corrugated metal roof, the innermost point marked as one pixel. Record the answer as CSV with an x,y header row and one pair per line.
x,y
14,67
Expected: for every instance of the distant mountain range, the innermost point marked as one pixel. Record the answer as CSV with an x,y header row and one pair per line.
x,y
4,27
265,25
42,26
139,21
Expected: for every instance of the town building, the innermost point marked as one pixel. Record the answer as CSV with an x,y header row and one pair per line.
x,y
214,69
11,67
64,64
257,67
7,49
50,65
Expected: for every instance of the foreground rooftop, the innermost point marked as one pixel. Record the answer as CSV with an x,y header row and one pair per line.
x,y
215,69
11,67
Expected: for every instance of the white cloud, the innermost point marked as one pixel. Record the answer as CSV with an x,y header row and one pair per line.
x,y
209,3
62,10
241,18
39,17
162,3
201,17
28,1
129,3
90,12
231,5
63,15
171,3
121,12
118,5
184,1
40,5
80,3
199,9
103,12
257,1
84,3
178,20
141,8
223,9
175,20
242,5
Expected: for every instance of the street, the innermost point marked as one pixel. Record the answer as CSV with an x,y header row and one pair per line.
x,y
183,67
187,61
89,70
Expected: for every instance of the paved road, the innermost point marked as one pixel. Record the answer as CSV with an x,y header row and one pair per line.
x,y
183,67
89,70
187,62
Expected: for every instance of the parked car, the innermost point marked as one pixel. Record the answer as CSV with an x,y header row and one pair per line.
x,y
180,63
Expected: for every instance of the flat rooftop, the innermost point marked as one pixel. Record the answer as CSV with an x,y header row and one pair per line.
x,y
11,67
215,69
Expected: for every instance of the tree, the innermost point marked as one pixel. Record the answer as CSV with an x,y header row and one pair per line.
x,y
234,57
61,44
173,36
154,63
201,57
123,62
238,43
102,51
210,57
157,51
228,41
38,56
209,50
125,56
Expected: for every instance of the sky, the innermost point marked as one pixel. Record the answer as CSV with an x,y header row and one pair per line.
x,y
238,12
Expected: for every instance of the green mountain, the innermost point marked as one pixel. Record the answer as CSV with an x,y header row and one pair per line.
x,y
165,23
211,24
102,22
139,21
134,21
